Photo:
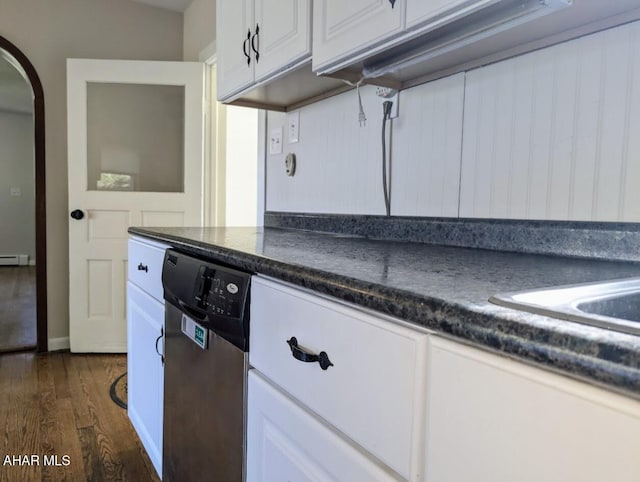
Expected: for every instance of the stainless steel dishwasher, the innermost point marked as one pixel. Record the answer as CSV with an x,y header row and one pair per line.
x,y
205,373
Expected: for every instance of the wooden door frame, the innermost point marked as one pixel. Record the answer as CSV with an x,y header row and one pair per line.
x,y
41,218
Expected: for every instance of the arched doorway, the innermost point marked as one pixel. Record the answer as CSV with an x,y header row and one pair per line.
x,y
22,63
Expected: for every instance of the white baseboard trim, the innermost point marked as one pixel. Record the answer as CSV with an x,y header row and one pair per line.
x,y
55,344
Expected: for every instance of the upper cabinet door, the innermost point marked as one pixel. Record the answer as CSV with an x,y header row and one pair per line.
x,y
284,35
421,13
347,29
235,31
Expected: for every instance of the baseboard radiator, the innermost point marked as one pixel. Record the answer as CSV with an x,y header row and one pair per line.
x,y
14,259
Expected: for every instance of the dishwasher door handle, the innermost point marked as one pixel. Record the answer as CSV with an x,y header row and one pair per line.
x,y
193,313
304,356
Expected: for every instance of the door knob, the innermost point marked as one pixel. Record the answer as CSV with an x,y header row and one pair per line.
x,y
77,214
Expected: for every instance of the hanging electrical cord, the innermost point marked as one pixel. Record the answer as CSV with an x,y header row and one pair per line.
x,y
386,115
362,118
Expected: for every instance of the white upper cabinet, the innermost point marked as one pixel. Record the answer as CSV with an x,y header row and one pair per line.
x,y
233,42
420,12
345,29
345,33
284,35
412,39
257,39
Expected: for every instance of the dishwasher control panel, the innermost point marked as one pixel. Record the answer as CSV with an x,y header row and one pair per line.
x,y
220,291
214,296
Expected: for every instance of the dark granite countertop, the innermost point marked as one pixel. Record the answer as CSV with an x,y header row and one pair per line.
x,y
443,289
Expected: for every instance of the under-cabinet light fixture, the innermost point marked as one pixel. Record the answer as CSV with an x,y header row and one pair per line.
x,y
454,32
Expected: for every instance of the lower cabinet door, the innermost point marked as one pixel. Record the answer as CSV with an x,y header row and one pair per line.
x,y
145,372
286,442
492,419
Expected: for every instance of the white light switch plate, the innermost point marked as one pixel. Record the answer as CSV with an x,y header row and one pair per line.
x,y
275,142
16,191
293,121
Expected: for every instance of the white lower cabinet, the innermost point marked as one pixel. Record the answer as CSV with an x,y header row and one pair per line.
x,y
401,404
145,371
287,443
145,329
492,419
373,390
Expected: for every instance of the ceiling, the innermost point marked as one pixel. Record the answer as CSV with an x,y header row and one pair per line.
x,y
175,5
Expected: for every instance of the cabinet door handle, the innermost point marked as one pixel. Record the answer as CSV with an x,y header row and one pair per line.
x,y
143,267
161,355
253,43
244,47
304,356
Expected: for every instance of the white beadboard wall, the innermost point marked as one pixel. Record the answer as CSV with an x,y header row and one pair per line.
x,y
425,180
336,170
339,163
554,134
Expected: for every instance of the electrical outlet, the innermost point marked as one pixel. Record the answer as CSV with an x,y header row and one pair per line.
x,y
293,121
275,144
385,92
388,94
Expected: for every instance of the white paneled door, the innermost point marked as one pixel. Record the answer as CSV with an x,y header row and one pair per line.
x,y
135,158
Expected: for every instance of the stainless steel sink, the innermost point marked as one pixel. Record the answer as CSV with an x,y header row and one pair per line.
x,y
610,304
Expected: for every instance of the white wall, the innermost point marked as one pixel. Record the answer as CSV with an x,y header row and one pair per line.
x,y
48,32
17,213
548,135
339,162
239,162
199,28
554,134
241,166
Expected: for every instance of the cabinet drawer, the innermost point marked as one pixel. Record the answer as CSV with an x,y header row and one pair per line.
x,y
145,266
374,392
285,442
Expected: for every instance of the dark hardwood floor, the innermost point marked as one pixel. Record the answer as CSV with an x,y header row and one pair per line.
x,y
58,404
17,308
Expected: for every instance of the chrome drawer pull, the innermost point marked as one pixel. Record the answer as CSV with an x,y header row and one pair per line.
x,y
143,267
304,356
